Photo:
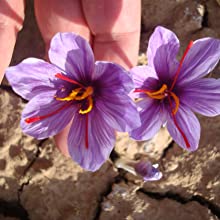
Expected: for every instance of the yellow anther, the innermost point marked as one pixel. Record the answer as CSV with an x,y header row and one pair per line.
x,y
159,94
162,96
90,105
160,91
88,92
177,102
77,94
71,96
80,94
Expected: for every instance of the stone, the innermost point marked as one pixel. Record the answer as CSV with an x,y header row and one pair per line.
x,y
126,202
196,173
63,190
16,150
125,146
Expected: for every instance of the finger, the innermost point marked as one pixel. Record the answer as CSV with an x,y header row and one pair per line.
x,y
116,28
60,16
61,140
11,20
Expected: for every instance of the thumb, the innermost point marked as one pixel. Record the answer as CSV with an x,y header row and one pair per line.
x,y
11,19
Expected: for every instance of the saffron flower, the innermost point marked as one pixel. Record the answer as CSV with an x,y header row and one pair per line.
x,y
93,96
147,171
170,92
143,168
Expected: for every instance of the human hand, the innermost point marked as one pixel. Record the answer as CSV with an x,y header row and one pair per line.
x,y
111,27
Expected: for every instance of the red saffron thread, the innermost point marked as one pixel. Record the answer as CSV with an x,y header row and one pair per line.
x,y
141,90
65,78
178,127
38,118
87,131
180,65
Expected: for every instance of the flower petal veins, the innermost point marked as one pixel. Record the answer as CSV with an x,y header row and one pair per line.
x,y
173,91
93,96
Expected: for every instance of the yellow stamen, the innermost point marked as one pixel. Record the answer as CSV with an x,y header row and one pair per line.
x,y
89,106
88,92
160,91
71,96
74,95
159,94
177,102
80,94
162,96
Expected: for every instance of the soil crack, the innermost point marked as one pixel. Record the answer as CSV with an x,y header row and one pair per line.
x,y
13,209
215,209
205,20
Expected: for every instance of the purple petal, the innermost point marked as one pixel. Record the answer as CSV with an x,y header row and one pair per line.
x,y
112,100
148,171
101,140
144,77
151,115
141,73
162,51
31,77
73,54
203,96
200,60
189,125
119,111
112,76
43,105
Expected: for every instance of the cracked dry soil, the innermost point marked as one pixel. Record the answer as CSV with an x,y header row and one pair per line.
x,y
37,182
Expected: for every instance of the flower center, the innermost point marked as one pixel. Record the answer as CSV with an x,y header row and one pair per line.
x,y
162,93
84,95
81,94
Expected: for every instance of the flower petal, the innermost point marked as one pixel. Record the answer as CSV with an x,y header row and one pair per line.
x,y
119,111
112,76
147,171
144,77
141,73
31,77
101,138
73,54
112,99
162,51
200,60
151,120
203,96
42,105
189,125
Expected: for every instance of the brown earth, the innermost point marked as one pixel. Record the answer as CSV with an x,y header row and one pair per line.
x,y
38,183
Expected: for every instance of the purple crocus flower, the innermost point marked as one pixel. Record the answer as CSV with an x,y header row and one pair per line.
x,y
147,171
93,96
171,91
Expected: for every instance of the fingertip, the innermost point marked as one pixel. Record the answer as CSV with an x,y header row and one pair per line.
x,y
119,48
60,16
61,141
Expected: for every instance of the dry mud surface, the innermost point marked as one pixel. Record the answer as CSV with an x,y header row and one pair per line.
x,y
38,183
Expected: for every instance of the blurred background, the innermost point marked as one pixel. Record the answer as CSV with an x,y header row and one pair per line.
x,y
38,183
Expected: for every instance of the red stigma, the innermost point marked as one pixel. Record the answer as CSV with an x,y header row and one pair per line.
x,y
139,90
31,120
177,126
65,78
180,65
87,131
38,118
